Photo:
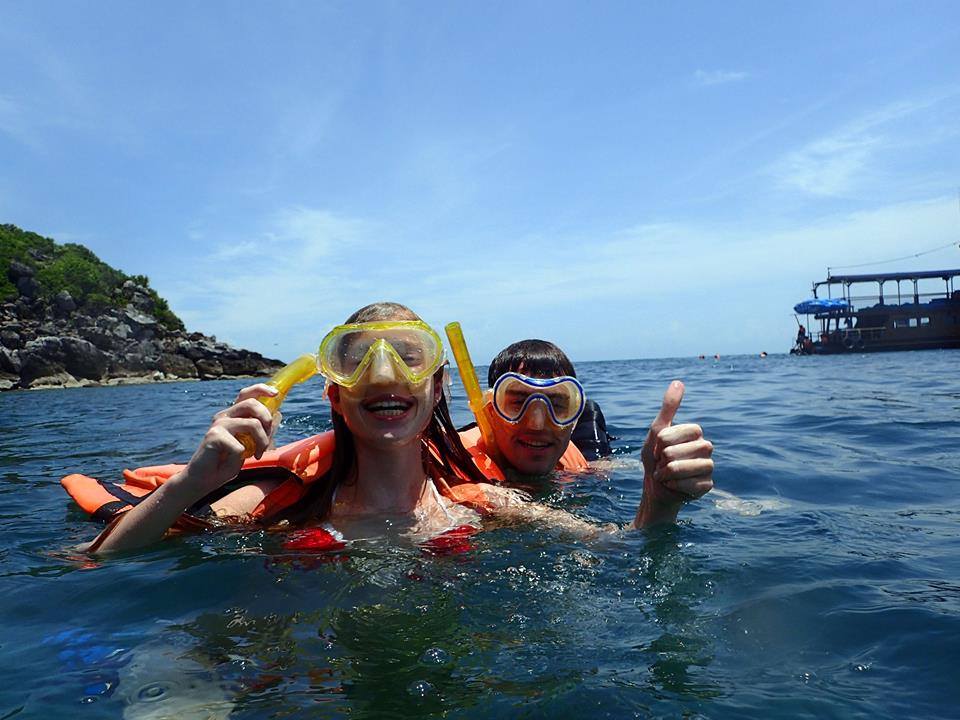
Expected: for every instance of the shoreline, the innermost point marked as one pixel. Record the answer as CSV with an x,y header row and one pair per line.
x,y
147,379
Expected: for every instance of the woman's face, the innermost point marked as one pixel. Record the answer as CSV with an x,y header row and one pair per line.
x,y
383,410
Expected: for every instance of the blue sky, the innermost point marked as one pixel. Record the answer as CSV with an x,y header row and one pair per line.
x,y
626,179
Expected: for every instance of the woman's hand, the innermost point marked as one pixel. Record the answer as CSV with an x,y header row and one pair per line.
x,y
220,455
216,461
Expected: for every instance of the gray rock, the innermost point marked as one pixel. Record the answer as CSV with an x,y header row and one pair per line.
x,y
39,358
57,379
46,345
107,326
238,363
143,326
28,287
103,339
10,338
173,364
143,302
104,321
24,309
64,303
149,347
190,349
197,350
10,361
137,319
83,359
209,369
134,361
19,270
8,383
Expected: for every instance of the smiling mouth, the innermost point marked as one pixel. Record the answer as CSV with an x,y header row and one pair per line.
x,y
533,444
388,407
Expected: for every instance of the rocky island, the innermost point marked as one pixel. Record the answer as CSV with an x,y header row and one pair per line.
x,y
67,319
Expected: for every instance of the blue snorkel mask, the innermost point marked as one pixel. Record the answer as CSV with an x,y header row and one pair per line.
x,y
513,394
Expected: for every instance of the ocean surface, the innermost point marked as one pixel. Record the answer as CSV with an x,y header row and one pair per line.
x,y
824,583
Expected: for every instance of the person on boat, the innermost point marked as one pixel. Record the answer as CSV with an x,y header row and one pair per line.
x,y
533,405
395,453
801,335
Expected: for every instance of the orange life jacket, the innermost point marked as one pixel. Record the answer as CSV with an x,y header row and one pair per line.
x,y
297,464
472,494
572,459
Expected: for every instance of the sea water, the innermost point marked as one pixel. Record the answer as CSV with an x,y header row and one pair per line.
x,y
823,582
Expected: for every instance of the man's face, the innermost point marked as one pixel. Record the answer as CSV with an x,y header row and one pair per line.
x,y
533,445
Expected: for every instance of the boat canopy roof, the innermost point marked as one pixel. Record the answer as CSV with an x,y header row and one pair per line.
x,y
820,305
884,277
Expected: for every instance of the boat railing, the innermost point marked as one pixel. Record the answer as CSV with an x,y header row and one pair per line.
x,y
868,333
864,302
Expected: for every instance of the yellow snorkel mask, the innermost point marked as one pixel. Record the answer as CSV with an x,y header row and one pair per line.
x,y
411,346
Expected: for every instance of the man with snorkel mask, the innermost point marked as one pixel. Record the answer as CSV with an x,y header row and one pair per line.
x,y
533,404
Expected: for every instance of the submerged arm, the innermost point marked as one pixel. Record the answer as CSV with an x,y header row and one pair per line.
x,y
514,507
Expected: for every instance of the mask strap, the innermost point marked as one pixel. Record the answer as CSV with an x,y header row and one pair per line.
x,y
447,383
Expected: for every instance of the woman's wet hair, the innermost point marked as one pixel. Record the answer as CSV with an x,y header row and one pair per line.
x,y
533,358
445,459
376,312
382,311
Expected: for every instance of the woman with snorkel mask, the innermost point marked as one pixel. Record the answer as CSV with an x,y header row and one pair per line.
x,y
393,444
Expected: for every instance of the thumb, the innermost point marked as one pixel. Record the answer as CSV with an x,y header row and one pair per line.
x,y
671,403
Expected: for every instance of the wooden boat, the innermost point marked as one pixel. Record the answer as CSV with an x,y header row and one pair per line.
x,y
909,318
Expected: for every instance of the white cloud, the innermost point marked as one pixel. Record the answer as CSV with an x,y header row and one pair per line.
x,y
296,236
847,159
277,287
670,289
830,166
718,77
655,289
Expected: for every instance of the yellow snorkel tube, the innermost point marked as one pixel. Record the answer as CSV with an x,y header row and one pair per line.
x,y
303,368
468,376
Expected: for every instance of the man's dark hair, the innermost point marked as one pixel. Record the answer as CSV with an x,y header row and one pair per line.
x,y
534,358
